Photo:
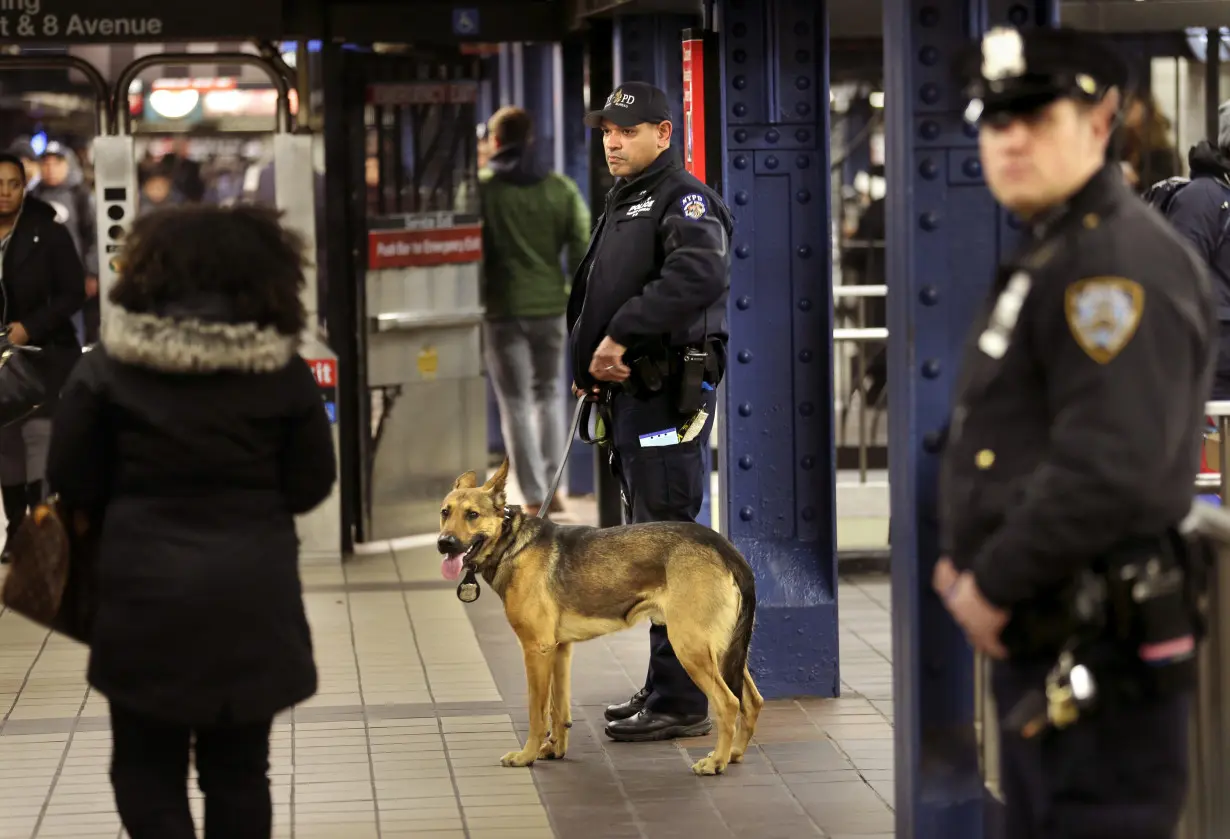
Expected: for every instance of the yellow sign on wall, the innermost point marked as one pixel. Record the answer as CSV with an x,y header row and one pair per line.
x,y
428,363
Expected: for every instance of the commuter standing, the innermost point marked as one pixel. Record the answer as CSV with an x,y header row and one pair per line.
x,y
1073,443
1200,210
63,186
647,337
531,217
191,437
42,285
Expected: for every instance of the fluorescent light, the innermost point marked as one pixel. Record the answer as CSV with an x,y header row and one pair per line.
x,y
877,98
173,104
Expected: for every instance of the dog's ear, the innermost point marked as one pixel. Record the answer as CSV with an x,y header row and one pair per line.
x,y
467,481
495,485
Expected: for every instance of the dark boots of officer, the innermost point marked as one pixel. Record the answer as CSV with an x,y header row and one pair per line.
x,y
662,483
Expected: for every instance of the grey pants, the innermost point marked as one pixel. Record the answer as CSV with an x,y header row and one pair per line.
x,y
23,451
525,361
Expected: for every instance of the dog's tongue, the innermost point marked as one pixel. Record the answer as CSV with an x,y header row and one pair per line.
x,y
451,567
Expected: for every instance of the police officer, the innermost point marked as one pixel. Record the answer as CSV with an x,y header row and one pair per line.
x,y
647,336
1075,432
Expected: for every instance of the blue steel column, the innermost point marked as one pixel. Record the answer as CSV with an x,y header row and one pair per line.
x,y
945,236
777,409
651,50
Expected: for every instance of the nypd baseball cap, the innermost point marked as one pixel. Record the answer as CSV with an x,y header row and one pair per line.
x,y
631,104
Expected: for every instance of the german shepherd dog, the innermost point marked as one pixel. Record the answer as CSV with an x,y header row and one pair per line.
x,y
561,585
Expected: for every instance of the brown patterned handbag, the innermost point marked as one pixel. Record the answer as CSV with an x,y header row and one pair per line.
x,y
51,575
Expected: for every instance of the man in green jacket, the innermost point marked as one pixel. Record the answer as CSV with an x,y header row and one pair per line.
x,y
531,216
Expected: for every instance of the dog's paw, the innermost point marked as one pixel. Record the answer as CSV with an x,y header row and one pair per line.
x,y
708,766
552,750
735,757
517,759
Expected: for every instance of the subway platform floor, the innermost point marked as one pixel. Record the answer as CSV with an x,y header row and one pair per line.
x,y
420,695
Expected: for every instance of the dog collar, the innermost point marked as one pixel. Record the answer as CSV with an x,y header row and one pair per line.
x,y
468,590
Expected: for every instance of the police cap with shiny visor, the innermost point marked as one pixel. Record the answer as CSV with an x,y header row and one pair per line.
x,y
1011,73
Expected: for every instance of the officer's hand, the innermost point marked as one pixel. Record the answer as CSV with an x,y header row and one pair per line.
x,y
607,364
17,335
944,577
981,621
577,392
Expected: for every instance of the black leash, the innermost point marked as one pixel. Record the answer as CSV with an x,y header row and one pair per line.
x,y
563,461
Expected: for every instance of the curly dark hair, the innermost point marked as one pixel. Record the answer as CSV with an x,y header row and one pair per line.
x,y
243,254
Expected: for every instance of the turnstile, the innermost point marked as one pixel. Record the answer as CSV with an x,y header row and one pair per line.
x,y
115,175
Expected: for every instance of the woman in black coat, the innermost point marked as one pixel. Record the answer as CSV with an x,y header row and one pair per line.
x,y
194,433
42,285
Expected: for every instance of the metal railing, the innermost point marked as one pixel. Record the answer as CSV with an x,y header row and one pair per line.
x,y
861,336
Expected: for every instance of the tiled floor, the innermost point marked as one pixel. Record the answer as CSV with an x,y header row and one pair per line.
x,y
420,696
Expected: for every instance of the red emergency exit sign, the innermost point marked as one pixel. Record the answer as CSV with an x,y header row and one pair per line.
x,y
325,371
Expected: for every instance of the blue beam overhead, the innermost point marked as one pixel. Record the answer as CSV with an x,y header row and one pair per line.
x,y
945,237
777,409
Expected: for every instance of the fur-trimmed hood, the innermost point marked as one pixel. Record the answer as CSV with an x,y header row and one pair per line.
x,y
192,345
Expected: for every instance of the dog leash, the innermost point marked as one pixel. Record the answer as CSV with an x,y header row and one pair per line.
x,y
563,461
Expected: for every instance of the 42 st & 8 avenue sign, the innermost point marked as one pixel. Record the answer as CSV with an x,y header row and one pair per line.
x,y
76,21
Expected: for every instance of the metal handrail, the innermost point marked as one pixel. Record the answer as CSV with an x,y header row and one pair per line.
x,y
860,291
102,92
871,333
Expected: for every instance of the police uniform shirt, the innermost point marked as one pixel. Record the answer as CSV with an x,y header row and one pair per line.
x,y
658,266
1080,402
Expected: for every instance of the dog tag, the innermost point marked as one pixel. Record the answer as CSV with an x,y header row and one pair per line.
x,y
467,589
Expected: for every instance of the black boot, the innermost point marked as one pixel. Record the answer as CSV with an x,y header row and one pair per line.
x,y
16,501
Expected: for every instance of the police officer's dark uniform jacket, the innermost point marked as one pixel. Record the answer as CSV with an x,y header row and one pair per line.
x,y
655,279
1075,433
657,272
1079,409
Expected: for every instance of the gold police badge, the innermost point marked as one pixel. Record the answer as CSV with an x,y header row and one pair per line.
x,y
1103,314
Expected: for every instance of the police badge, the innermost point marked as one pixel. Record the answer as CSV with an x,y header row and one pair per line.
x,y
693,206
1003,54
1103,314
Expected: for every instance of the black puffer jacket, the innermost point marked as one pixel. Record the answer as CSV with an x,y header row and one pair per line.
x,y
43,287
195,444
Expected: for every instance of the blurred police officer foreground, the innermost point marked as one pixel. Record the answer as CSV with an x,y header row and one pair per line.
x,y
1071,452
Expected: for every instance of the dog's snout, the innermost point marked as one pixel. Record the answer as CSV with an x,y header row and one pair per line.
x,y
448,544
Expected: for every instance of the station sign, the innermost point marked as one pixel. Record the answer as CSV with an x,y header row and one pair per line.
x,y
392,94
119,21
410,248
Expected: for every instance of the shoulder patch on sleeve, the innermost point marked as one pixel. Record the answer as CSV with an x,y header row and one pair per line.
x,y
693,206
1103,314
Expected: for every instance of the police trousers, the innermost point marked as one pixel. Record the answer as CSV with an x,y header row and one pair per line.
x,y
661,483
1117,774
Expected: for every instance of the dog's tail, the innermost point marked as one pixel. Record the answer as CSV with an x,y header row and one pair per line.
x,y
735,660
